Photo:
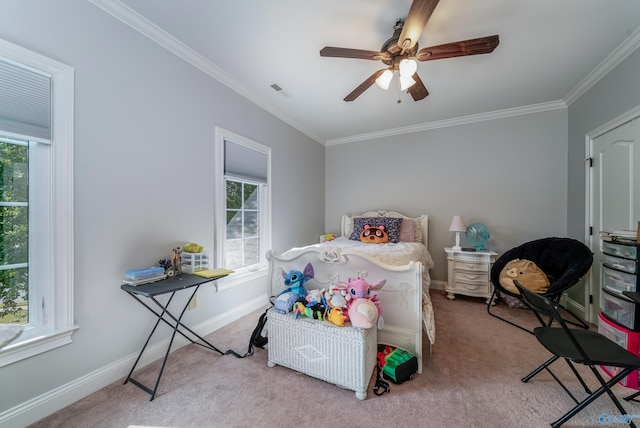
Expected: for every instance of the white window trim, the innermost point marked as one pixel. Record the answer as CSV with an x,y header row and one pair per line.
x,y
245,275
61,251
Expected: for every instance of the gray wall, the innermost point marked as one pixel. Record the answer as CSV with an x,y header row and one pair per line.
x,y
509,174
144,144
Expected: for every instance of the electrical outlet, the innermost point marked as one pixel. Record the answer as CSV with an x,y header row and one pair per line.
x,y
193,303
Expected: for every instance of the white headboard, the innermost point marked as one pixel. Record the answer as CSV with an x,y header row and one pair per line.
x,y
422,222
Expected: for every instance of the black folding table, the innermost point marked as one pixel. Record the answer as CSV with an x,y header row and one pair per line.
x,y
151,291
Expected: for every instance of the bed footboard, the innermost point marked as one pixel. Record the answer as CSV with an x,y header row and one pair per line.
x,y
400,298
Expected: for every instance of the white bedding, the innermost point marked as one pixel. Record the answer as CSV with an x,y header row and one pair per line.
x,y
395,254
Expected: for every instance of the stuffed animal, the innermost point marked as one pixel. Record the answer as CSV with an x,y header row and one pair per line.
x,y
315,296
528,274
335,301
359,288
336,297
374,234
336,316
363,313
363,309
294,280
327,237
314,312
284,302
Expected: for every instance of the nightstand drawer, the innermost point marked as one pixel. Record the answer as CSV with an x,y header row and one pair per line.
x,y
471,287
471,276
470,266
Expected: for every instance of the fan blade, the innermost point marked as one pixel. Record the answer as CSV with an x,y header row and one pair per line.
x,y
419,14
418,91
331,51
477,46
364,86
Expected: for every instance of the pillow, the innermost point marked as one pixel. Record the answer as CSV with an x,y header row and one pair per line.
x,y
407,230
391,226
528,274
418,231
374,235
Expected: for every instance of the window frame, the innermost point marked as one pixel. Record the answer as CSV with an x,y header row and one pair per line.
x,y
247,273
58,325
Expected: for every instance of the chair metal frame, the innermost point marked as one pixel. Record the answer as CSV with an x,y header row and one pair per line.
x,y
578,346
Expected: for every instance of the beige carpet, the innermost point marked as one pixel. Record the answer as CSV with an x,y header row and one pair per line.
x,y
471,378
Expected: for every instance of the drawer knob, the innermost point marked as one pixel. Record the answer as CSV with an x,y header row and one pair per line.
x,y
471,276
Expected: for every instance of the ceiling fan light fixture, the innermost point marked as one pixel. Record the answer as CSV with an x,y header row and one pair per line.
x,y
384,79
408,67
406,82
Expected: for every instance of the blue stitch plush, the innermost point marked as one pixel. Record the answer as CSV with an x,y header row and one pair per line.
x,y
294,280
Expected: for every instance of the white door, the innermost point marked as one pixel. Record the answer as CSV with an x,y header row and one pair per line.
x,y
615,193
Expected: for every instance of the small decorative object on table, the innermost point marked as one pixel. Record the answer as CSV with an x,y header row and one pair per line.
x,y
173,265
195,259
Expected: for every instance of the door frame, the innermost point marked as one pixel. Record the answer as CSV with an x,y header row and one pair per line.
x,y
591,309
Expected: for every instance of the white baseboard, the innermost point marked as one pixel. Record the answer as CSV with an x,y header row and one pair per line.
x,y
39,407
573,306
437,284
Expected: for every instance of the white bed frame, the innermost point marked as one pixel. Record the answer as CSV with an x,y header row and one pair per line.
x,y
400,298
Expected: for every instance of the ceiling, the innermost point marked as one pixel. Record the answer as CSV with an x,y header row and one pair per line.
x,y
550,51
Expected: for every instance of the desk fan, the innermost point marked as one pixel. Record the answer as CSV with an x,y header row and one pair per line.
x,y
477,234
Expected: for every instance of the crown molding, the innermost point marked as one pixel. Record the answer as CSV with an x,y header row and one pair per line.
x,y
481,117
609,63
148,29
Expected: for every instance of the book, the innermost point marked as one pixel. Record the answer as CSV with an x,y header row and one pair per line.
x,y
144,273
144,280
213,273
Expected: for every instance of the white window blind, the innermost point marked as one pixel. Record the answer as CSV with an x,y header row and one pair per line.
x,y
245,163
25,101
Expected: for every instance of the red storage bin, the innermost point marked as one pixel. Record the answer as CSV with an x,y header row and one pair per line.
x,y
630,340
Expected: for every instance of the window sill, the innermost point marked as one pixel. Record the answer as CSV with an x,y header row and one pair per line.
x,y
240,279
18,351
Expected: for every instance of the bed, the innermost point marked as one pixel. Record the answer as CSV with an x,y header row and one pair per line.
x,y
406,305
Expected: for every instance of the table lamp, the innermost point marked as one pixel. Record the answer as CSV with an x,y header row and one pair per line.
x,y
457,226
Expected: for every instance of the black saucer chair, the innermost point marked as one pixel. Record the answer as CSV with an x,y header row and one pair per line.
x,y
564,260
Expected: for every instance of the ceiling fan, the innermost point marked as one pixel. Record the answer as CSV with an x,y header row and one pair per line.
x,y
400,52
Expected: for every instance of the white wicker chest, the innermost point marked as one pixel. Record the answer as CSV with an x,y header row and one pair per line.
x,y
344,356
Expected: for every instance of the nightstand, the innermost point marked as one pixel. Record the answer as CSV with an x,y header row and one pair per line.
x,y
469,273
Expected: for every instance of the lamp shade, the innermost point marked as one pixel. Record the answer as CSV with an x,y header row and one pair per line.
x,y
384,79
457,224
408,67
406,82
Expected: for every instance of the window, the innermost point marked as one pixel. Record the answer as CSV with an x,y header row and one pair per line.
x,y
242,203
243,223
36,201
